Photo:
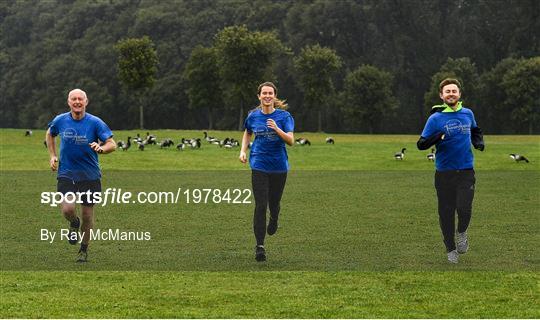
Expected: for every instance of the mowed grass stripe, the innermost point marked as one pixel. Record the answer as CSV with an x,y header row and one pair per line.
x,y
330,221
270,294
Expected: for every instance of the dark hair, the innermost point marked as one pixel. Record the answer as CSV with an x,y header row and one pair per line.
x,y
279,104
448,81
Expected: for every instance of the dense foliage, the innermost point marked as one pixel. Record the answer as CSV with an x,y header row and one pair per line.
x,y
49,47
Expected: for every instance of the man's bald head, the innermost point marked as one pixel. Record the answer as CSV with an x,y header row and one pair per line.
x,y
79,91
77,102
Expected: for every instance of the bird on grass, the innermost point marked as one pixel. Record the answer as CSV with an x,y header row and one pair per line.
x,y
165,143
123,145
181,146
150,139
210,139
330,140
28,133
303,142
400,155
518,157
431,156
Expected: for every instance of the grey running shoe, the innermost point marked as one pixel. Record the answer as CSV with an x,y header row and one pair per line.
x,y
82,256
453,256
73,236
462,242
260,253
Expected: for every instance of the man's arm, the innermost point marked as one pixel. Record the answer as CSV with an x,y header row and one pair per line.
x,y
51,146
477,138
426,143
108,147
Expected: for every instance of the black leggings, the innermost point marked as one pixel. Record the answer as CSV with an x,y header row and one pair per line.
x,y
455,191
267,189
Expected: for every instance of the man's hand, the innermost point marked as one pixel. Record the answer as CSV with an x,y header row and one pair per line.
x,y
53,163
242,157
96,147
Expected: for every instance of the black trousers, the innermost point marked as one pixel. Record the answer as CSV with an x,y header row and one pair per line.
x,y
267,190
455,192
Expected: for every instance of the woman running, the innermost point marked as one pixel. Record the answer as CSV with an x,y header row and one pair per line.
x,y
272,127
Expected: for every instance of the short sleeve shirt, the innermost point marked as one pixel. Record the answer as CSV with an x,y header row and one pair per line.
x,y
268,152
78,161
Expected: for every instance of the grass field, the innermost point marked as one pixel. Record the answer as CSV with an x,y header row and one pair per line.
x,y
358,236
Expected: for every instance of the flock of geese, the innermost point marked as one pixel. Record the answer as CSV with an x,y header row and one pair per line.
x,y
228,143
431,156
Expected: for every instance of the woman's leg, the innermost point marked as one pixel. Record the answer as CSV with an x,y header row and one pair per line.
x,y
277,184
260,184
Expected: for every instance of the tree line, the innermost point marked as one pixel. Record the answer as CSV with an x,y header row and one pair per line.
x,y
362,66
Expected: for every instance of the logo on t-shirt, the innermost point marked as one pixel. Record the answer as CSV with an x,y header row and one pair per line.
x,y
70,136
265,133
455,127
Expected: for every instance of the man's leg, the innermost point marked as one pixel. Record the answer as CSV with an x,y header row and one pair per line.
x,y
87,224
87,215
277,184
68,211
68,207
465,196
446,196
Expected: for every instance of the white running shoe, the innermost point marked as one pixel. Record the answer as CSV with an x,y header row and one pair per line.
x,y
453,256
462,243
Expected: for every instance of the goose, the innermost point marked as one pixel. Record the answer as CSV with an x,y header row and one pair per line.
x,y
303,141
150,139
123,145
400,155
28,133
518,157
330,140
208,138
141,146
165,143
431,156
181,146
195,143
138,138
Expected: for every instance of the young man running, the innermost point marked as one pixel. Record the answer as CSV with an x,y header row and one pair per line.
x,y
452,128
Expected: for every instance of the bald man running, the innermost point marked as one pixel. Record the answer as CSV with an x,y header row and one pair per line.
x,y
82,137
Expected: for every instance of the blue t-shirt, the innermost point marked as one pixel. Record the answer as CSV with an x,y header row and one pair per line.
x,y
268,152
454,152
78,161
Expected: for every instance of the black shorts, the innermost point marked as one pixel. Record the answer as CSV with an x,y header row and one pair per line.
x,y
66,185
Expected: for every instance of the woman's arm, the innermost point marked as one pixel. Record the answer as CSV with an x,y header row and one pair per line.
x,y
288,137
245,143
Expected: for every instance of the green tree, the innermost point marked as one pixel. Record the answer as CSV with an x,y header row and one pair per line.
x,y
463,70
245,60
495,111
137,67
521,85
316,66
202,75
368,96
